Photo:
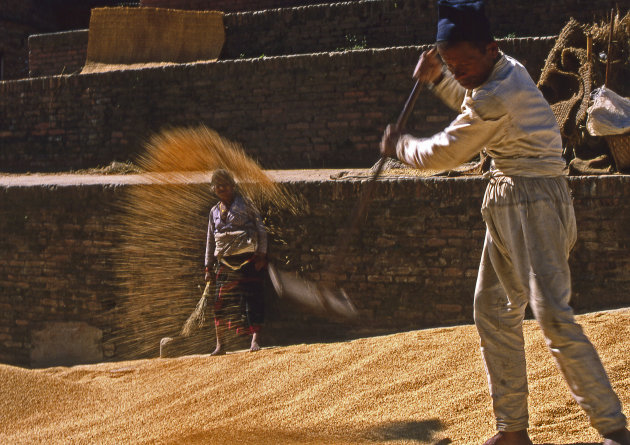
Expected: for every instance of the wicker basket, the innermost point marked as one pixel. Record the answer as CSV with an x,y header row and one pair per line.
x,y
620,150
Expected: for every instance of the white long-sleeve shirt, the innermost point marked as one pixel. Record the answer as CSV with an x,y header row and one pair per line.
x,y
507,116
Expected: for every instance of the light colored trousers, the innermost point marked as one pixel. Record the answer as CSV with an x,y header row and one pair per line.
x,y
530,231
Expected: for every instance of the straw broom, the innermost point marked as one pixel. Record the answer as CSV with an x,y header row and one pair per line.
x,y
197,319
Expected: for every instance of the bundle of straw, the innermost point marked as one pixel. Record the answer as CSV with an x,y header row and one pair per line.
x,y
179,154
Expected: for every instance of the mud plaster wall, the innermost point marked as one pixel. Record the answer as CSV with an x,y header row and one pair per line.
x,y
413,265
307,111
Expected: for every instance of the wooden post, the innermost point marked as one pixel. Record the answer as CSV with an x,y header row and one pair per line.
x,y
610,37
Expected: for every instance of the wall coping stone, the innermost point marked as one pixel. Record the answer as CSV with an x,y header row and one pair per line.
x,y
297,176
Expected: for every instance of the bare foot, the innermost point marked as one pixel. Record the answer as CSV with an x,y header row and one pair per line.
x,y
218,351
255,346
509,438
620,437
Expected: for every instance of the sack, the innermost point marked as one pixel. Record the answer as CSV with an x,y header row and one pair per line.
x,y
609,114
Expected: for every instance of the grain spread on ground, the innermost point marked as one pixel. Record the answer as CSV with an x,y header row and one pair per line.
x,y
416,387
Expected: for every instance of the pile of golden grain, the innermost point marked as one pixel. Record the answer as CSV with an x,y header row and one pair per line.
x,y
421,387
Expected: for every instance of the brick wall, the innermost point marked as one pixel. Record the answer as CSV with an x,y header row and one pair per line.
x,y
19,19
532,18
57,53
371,23
54,266
319,28
308,111
386,23
412,266
13,51
365,23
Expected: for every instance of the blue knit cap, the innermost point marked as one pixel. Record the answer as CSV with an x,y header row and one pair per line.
x,y
462,20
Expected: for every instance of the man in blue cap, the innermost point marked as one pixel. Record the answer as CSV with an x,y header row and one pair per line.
x,y
528,213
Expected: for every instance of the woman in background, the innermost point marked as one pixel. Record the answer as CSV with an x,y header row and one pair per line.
x,y
236,252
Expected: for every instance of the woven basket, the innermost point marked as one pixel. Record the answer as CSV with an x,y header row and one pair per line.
x,y
620,150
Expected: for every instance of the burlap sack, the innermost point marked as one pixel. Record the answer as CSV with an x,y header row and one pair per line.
x,y
560,81
123,38
568,77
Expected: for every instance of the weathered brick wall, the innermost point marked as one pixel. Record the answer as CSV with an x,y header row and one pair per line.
x,y
54,263
309,111
365,23
19,19
370,23
380,24
404,17
330,27
412,266
386,23
14,49
57,53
